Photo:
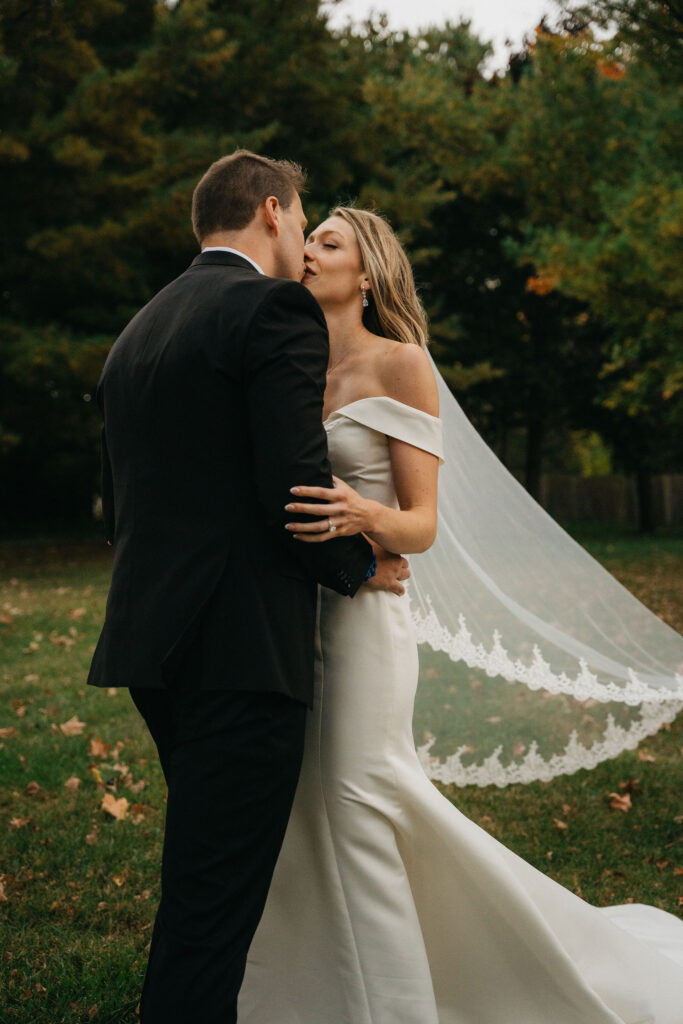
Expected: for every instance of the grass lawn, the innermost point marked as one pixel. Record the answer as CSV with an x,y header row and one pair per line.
x,y
79,882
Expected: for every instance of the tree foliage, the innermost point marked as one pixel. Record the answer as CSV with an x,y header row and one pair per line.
x,y
541,207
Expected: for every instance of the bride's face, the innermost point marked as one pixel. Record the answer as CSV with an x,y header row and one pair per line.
x,y
333,270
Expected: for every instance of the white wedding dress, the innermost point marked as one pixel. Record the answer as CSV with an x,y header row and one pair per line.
x,y
388,906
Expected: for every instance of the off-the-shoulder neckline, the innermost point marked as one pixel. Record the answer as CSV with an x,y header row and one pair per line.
x,y
380,398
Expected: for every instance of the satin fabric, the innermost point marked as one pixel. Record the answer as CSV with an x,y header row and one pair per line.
x,y
388,906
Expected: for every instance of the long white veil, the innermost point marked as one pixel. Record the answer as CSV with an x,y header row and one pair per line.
x,y
534,660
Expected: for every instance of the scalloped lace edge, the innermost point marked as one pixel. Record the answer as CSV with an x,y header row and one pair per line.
x,y
533,767
539,674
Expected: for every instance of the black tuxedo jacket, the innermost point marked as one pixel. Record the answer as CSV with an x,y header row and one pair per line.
x,y
212,402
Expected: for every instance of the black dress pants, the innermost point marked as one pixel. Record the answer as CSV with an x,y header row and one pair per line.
x,y
231,760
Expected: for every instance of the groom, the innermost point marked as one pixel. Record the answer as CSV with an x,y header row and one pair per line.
x,y
212,402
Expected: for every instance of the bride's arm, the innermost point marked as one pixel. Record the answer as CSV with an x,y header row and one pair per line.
x,y
407,377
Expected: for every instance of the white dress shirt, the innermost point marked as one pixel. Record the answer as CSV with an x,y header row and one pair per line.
x,y
225,248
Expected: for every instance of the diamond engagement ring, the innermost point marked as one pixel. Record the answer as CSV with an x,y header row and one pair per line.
x,y
330,526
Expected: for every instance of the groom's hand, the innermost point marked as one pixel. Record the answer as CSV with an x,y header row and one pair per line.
x,y
392,571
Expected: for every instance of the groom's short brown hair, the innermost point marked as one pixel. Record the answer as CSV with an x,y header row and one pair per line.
x,y
227,196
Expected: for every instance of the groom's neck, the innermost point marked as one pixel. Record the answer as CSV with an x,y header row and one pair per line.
x,y
251,243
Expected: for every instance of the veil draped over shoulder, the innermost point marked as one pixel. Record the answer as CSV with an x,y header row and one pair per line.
x,y
534,660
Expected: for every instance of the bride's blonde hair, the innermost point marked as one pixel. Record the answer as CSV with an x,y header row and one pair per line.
x,y
394,310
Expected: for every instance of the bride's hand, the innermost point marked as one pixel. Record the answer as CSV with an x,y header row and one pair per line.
x,y
345,514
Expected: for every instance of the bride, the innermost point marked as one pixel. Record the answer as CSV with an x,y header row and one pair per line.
x,y
388,906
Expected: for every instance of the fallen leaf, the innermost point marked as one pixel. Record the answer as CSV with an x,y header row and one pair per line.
x,y
3,894
32,788
494,719
566,809
16,823
7,732
102,905
137,812
73,783
661,864
94,771
518,749
678,871
97,748
91,838
619,802
644,756
61,641
118,880
630,786
560,824
77,613
112,691
92,1012
117,808
137,786
73,727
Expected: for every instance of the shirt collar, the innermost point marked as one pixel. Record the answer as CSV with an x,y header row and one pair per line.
x,y
225,248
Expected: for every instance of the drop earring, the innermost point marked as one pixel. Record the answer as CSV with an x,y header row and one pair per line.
x,y
365,298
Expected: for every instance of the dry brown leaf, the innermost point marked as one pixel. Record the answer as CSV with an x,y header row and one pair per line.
x,y
644,756
560,824
494,719
518,749
678,871
16,823
137,813
95,772
7,732
91,838
137,786
3,894
118,808
102,905
118,880
629,786
112,691
97,748
92,1012
73,727
32,788
73,782
61,641
77,613
619,802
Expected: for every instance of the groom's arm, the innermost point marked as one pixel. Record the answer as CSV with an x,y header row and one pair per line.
x,y
285,368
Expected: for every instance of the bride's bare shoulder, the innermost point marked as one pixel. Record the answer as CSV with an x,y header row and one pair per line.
x,y
407,376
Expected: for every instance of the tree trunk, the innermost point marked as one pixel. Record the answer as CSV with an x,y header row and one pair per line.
x,y
646,521
534,457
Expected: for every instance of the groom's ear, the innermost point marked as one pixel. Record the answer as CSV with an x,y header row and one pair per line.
x,y
272,212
